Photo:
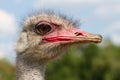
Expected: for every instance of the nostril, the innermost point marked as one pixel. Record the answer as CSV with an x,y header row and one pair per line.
x,y
78,33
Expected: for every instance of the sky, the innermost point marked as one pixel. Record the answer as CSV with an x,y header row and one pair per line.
x,y
95,16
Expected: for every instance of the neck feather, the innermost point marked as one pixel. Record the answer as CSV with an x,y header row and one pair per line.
x,y
29,70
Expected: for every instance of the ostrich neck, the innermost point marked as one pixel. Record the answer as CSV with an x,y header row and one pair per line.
x,y
29,70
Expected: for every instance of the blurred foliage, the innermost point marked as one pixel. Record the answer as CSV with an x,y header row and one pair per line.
x,y
7,70
88,62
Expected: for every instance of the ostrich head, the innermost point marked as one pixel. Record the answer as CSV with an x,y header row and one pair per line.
x,y
45,36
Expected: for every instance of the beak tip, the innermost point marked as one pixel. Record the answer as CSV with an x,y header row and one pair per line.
x,y
100,36
99,39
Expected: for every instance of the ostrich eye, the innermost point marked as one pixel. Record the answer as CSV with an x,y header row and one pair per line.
x,y
42,29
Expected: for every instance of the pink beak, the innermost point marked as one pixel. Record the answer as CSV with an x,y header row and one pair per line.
x,y
73,35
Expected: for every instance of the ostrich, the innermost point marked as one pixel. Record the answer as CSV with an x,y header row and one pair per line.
x,y
43,38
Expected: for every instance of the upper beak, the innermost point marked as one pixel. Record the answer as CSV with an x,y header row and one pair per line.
x,y
85,37
88,37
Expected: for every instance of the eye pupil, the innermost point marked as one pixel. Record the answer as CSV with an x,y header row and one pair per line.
x,y
45,27
42,29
